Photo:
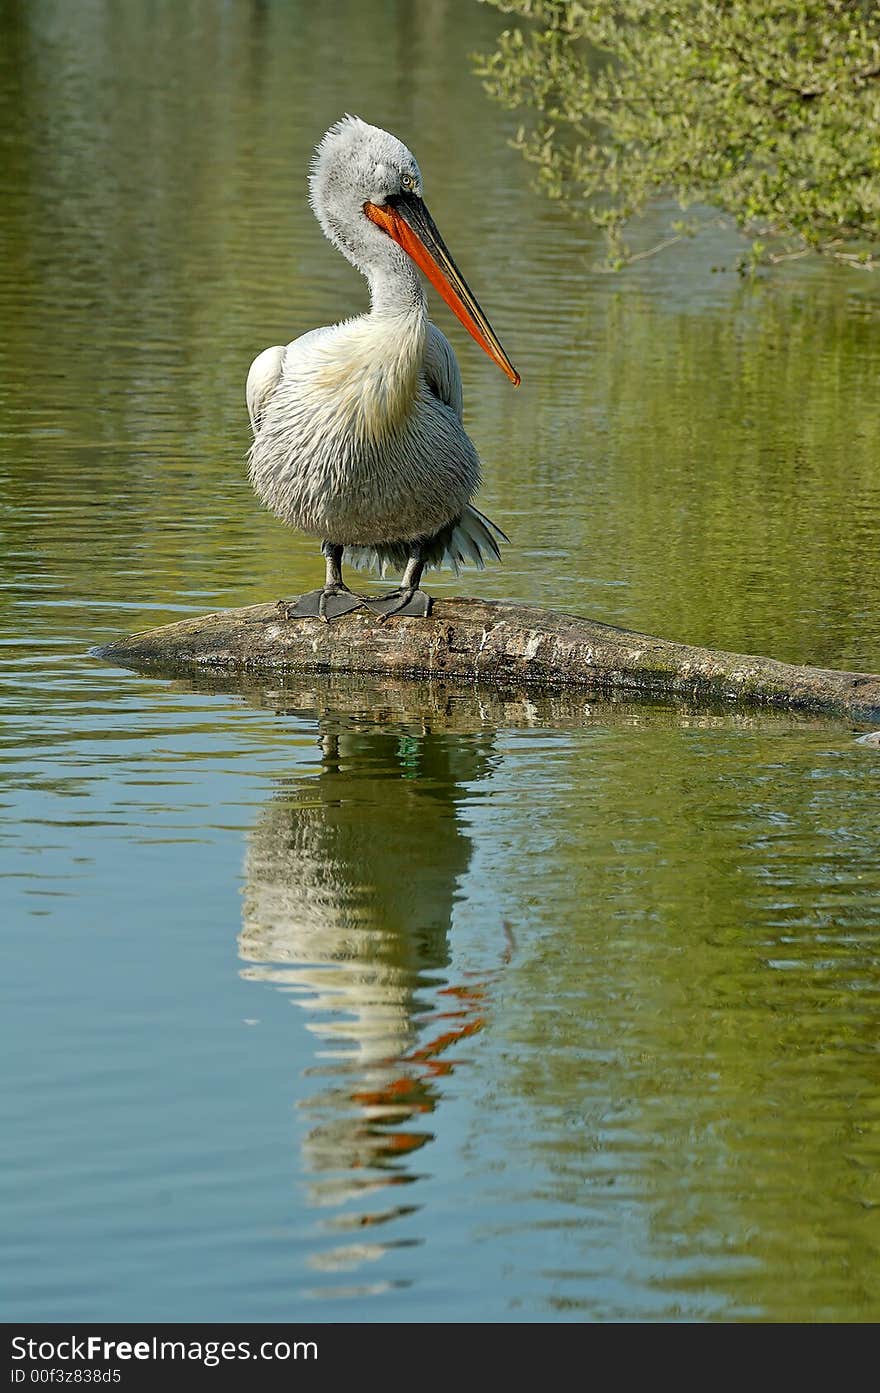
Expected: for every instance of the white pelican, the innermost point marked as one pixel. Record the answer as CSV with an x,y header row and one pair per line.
x,y
358,436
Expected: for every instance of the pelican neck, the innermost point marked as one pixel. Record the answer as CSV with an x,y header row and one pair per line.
x,y
397,293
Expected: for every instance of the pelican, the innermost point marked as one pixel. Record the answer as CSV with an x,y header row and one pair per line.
x,y
358,435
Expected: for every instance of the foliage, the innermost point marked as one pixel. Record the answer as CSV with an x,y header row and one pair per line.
x,y
767,109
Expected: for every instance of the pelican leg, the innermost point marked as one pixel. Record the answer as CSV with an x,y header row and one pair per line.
x,y
408,598
334,600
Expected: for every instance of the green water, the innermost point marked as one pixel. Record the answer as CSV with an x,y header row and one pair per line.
x,y
332,1001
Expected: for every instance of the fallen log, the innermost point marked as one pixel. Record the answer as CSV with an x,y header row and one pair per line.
x,y
513,646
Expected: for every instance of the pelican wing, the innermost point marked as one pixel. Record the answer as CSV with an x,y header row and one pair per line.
x,y
442,372
263,378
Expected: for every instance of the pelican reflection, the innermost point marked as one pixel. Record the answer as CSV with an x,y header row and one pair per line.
x,y
351,879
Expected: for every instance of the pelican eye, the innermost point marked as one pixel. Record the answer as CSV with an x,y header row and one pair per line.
x,y
407,182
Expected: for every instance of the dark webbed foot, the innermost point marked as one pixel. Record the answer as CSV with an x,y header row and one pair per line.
x,y
336,599
329,603
408,600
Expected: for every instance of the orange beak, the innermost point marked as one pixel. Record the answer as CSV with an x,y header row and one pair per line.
x,y
406,219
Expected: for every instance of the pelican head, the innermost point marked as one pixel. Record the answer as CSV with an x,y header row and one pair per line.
x,y
366,192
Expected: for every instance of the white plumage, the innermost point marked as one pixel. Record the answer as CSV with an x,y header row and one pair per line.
x,y
358,435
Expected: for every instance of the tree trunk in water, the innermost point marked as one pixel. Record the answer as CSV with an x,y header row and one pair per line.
x,y
513,646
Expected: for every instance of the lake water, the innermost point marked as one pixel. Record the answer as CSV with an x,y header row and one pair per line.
x,y
336,1001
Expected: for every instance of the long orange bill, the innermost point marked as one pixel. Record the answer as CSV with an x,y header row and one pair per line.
x,y
406,219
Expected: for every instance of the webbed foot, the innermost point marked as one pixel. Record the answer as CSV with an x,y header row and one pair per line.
x,y
329,603
407,600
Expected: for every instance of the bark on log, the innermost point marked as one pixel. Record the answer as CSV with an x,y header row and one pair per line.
x,y
513,646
